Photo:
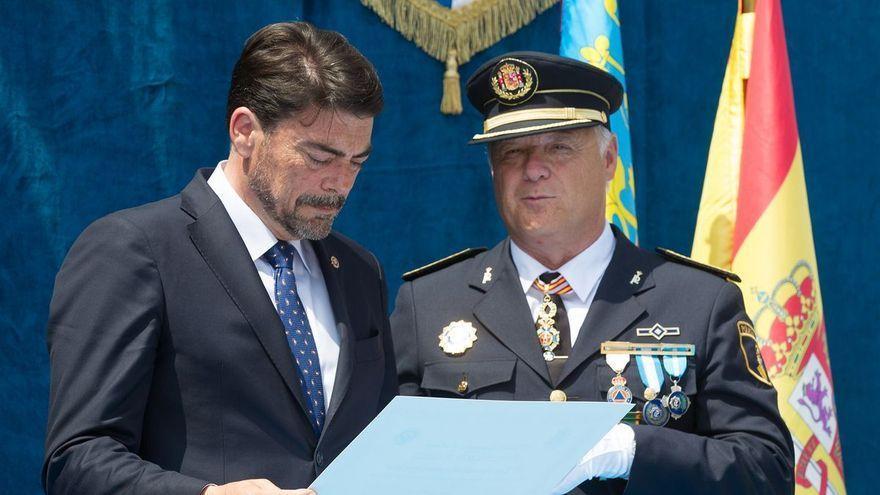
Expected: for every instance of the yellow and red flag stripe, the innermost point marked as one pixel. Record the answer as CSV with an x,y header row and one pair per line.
x,y
754,219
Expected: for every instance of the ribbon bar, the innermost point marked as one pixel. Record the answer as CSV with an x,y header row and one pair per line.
x,y
647,348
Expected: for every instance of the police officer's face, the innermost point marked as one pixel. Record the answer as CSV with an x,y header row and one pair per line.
x,y
306,167
550,187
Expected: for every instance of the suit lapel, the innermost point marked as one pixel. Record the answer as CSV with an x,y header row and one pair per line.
x,y
335,289
615,305
504,310
222,248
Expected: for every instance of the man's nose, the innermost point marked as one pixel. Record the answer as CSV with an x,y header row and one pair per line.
x,y
340,180
535,167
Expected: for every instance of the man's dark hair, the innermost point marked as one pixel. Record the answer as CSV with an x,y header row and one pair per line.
x,y
290,66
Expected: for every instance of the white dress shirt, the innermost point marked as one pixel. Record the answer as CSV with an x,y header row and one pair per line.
x,y
309,280
583,273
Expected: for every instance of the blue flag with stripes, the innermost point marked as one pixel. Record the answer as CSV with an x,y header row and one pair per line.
x,y
591,32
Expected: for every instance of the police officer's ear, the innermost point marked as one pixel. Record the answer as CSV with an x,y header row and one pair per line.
x,y
489,149
244,131
609,158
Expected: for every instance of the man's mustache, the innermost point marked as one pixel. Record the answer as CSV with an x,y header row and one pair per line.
x,y
322,201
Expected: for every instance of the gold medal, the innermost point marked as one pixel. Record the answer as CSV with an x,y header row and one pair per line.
x,y
548,335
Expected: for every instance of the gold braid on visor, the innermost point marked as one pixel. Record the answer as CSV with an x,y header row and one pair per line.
x,y
566,113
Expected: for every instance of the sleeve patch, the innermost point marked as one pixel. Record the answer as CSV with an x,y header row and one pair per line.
x,y
748,342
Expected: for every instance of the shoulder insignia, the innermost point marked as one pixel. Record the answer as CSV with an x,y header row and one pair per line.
x,y
442,263
684,260
748,342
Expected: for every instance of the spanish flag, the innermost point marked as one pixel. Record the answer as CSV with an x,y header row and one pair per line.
x,y
754,220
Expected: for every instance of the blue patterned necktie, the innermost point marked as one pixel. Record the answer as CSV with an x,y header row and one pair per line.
x,y
297,330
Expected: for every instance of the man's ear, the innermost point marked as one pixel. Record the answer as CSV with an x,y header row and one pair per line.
x,y
611,157
244,131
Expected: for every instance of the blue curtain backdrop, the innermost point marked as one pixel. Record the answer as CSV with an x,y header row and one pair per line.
x,y
106,105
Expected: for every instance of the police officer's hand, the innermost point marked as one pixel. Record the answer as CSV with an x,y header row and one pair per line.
x,y
612,457
252,487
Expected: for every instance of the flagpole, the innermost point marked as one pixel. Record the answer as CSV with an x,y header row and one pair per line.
x,y
748,6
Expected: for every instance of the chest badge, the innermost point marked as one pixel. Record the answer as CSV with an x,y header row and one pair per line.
x,y
658,331
457,337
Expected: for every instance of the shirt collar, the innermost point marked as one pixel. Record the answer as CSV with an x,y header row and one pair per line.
x,y
256,236
582,272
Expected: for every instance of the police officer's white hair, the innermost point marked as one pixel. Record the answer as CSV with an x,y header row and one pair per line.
x,y
603,138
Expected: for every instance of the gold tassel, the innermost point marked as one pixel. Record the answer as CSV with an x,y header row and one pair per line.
x,y
451,102
455,35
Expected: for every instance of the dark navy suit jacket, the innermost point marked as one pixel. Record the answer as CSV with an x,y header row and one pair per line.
x,y
169,365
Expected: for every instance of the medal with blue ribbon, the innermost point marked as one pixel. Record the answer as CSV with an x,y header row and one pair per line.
x,y
654,412
677,401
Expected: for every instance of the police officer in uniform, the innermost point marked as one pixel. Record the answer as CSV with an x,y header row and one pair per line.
x,y
566,308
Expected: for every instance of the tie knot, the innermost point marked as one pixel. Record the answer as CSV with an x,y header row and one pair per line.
x,y
280,255
552,283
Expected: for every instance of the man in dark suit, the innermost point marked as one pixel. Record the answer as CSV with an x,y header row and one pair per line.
x,y
567,308
225,340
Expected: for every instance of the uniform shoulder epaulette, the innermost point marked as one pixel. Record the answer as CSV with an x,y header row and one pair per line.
x,y
442,263
684,260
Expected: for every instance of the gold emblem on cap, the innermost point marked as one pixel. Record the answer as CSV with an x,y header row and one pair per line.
x,y
457,337
558,396
334,261
514,81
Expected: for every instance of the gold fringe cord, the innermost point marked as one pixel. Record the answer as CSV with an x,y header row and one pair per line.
x,y
451,102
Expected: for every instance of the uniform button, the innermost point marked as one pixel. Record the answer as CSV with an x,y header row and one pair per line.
x,y
558,396
319,459
463,384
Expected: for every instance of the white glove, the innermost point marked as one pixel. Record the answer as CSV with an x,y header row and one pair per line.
x,y
612,457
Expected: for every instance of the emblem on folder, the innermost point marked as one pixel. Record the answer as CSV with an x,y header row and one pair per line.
x,y
457,337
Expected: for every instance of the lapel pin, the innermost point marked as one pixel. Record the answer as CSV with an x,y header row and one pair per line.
x,y
487,275
334,261
637,278
658,331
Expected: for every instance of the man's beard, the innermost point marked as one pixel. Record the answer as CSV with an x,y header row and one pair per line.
x,y
293,222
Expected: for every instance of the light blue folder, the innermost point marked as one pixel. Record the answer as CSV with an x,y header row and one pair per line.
x,y
427,446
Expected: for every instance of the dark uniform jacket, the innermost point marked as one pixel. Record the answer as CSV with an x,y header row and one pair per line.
x,y
169,364
731,440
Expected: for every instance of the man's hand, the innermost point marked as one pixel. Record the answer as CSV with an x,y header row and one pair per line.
x,y
612,457
252,487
